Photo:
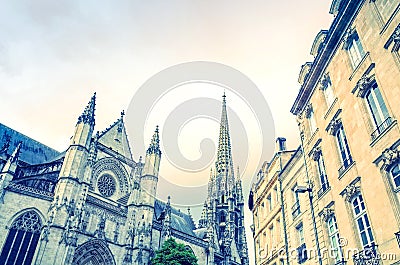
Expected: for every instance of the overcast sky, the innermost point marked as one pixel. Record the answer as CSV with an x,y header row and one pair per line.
x,y
55,54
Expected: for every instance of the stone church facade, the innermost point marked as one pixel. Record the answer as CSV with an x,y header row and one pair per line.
x,y
93,204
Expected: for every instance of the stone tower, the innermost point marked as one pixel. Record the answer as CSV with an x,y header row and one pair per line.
x,y
223,214
60,234
148,190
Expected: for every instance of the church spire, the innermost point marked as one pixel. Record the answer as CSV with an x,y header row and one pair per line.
x,y
87,116
154,147
224,163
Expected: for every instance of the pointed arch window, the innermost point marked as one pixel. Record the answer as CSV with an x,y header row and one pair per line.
x,y
22,240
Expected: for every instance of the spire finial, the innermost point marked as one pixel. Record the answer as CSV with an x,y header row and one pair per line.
x,y
154,147
87,116
122,114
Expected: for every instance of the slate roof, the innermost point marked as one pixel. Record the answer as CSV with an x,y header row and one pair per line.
x,y
180,221
32,152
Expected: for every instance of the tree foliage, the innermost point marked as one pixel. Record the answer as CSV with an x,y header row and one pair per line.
x,y
173,253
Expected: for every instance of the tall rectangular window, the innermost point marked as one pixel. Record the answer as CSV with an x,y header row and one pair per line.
x,y
344,150
301,249
328,92
395,174
269,199
278,230
276,194
355,49
300,233
271,236
312,123
334,238
362,221
296,205
377,109
322,174
263,210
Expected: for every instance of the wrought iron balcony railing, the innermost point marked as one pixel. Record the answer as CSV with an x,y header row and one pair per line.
x,y
367,256
381,128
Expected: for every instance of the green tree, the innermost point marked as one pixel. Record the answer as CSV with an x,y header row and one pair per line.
x,y
173,253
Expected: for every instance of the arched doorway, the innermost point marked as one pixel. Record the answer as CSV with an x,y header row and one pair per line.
x,y
93,252
22,239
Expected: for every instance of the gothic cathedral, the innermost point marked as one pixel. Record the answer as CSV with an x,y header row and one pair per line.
x,y
94,205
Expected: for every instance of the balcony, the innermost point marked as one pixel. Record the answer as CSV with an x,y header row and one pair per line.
x,y
397,234
296,209
346,164
367,256
381,128
302,253
324,187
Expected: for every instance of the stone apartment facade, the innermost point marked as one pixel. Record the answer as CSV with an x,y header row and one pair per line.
x,y
344,179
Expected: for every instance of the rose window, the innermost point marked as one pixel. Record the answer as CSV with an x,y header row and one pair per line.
x,y
106,185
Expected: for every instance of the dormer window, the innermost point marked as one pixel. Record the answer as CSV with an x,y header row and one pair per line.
x,y
318,43
305,68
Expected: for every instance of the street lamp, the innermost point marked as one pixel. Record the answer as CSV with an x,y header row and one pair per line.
x,y
308,189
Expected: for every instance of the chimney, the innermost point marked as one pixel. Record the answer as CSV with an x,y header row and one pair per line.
x,y
280,144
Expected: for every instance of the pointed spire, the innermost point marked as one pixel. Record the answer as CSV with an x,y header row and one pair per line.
x,y
154,147
224,156
11,164
15,155
121,122
87,116
6,144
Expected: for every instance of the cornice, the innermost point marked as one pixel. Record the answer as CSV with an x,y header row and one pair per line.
x,y
333,41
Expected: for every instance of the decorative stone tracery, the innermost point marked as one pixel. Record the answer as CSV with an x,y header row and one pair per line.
x,y
351,190
334,126
113,165
390,157
327,213
93,252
